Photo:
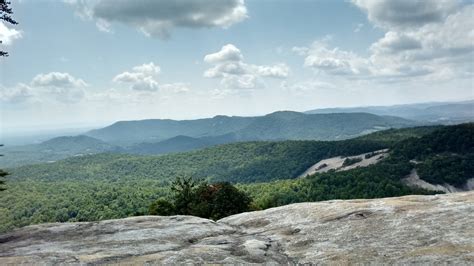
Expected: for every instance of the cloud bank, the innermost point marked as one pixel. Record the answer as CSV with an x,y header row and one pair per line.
x,y
159,18
427,39
57,87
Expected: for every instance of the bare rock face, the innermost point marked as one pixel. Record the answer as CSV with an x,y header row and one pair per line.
x,y
413,180
411,229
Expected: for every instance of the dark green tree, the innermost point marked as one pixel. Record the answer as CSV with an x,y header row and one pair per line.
x,y
2,181
3,174
183,189
161,207
5,15
198,198
228,200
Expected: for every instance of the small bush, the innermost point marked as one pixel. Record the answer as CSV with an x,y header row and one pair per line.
x,y
324,165
351,161
161,207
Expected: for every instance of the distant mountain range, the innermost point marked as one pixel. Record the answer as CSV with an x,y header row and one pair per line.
x,y
162,136
441,112
283,125
169,136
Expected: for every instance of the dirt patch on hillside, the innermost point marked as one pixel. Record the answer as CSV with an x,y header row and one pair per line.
x,y
337,163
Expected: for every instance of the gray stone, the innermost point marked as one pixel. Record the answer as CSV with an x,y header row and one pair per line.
x,y
412,229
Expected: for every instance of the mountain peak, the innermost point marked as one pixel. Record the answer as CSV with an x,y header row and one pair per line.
x,y
285,114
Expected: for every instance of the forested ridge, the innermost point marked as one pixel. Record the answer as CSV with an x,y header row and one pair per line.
x,y
236,162
164,136
275,126
105,186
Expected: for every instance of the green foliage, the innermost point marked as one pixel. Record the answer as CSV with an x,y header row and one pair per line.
x,y
457,139
392,136
224,199
33,201
162,207
452,169
3,174
106,186
444,156
236,162
191,197
184,190
376,181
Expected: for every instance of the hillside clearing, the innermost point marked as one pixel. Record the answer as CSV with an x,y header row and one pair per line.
x,y
337,163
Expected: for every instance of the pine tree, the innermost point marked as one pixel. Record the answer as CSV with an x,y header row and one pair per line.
x,y
5,15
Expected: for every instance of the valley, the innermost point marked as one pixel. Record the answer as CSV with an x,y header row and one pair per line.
x,y
155,137
116,185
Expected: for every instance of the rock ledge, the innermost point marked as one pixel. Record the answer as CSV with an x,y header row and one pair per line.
x,y
410,229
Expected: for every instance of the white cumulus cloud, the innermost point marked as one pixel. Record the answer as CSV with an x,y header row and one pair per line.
x,y
55,87
227,53
63,87
142,78
332,60
57,79
235,73
145,78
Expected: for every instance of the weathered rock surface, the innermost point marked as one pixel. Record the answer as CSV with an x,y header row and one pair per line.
x,y
336,163
411,229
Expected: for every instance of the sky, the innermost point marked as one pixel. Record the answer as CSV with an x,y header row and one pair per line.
x,y
79,63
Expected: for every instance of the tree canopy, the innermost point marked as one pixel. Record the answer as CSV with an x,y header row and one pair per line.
x,y
191,197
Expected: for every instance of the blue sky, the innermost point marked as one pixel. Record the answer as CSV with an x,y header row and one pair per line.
x,y
80,62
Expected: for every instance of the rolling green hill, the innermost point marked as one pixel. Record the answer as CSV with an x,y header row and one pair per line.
x,y
284,125
179,144
154,130
299,126
236,162
443,155
155,137
104,186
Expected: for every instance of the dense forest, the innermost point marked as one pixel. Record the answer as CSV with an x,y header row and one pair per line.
x,y
236,162
105,186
